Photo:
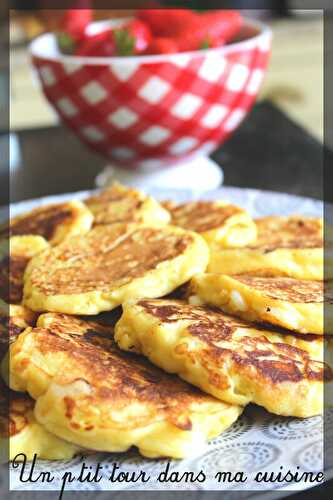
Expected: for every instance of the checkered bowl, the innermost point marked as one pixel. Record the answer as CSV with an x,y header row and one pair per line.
x,y
155,110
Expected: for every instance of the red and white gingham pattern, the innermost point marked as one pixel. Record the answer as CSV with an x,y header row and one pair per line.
x,y
156,113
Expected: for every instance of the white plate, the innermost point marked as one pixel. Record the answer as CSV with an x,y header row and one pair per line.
x,y
258,441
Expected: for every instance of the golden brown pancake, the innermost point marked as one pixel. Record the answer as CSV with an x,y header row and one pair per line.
x,y
13,321
285,246
297,305
98,271
287,289
11,278
12,266
53,222
26,436
89,392
231,359
217,221
119,204
288,232
17,420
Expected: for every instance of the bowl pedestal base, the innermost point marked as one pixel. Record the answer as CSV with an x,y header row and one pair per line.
x,y
197,174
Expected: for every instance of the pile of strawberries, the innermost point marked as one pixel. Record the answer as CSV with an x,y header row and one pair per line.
x,y
152,31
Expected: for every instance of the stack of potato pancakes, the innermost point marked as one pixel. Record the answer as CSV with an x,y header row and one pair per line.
x,y
208,311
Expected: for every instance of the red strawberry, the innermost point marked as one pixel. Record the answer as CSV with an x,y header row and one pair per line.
x,y
99,45
129,39
193,37
73,26
162,45
166,22
225,24
75,21
132,38
211,29
197,39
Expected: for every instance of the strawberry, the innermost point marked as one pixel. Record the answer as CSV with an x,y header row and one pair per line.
x,y
129,39
210,29
132,38
73,26
75,21
162,45
166,22
99,45
225,24
197,39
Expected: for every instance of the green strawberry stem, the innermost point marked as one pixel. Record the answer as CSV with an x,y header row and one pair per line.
x,y
125,42
205,44
66,43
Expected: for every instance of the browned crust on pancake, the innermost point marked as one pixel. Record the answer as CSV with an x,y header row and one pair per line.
x,y
14,408
200,216
11,325
11,278
265,272
170,311
110,257
288,232
222,341
9,331
115,377
102,205
286,289
19,406
42,221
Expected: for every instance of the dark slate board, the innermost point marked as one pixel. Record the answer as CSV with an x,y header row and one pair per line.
x,y
270,151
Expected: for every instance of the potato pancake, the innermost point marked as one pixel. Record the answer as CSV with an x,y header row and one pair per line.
x,y
286,246
53,222
217,221
100,270
231,359
297,305
89,392
119,204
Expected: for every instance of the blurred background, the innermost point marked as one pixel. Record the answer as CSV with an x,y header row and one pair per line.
x,y
292,92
